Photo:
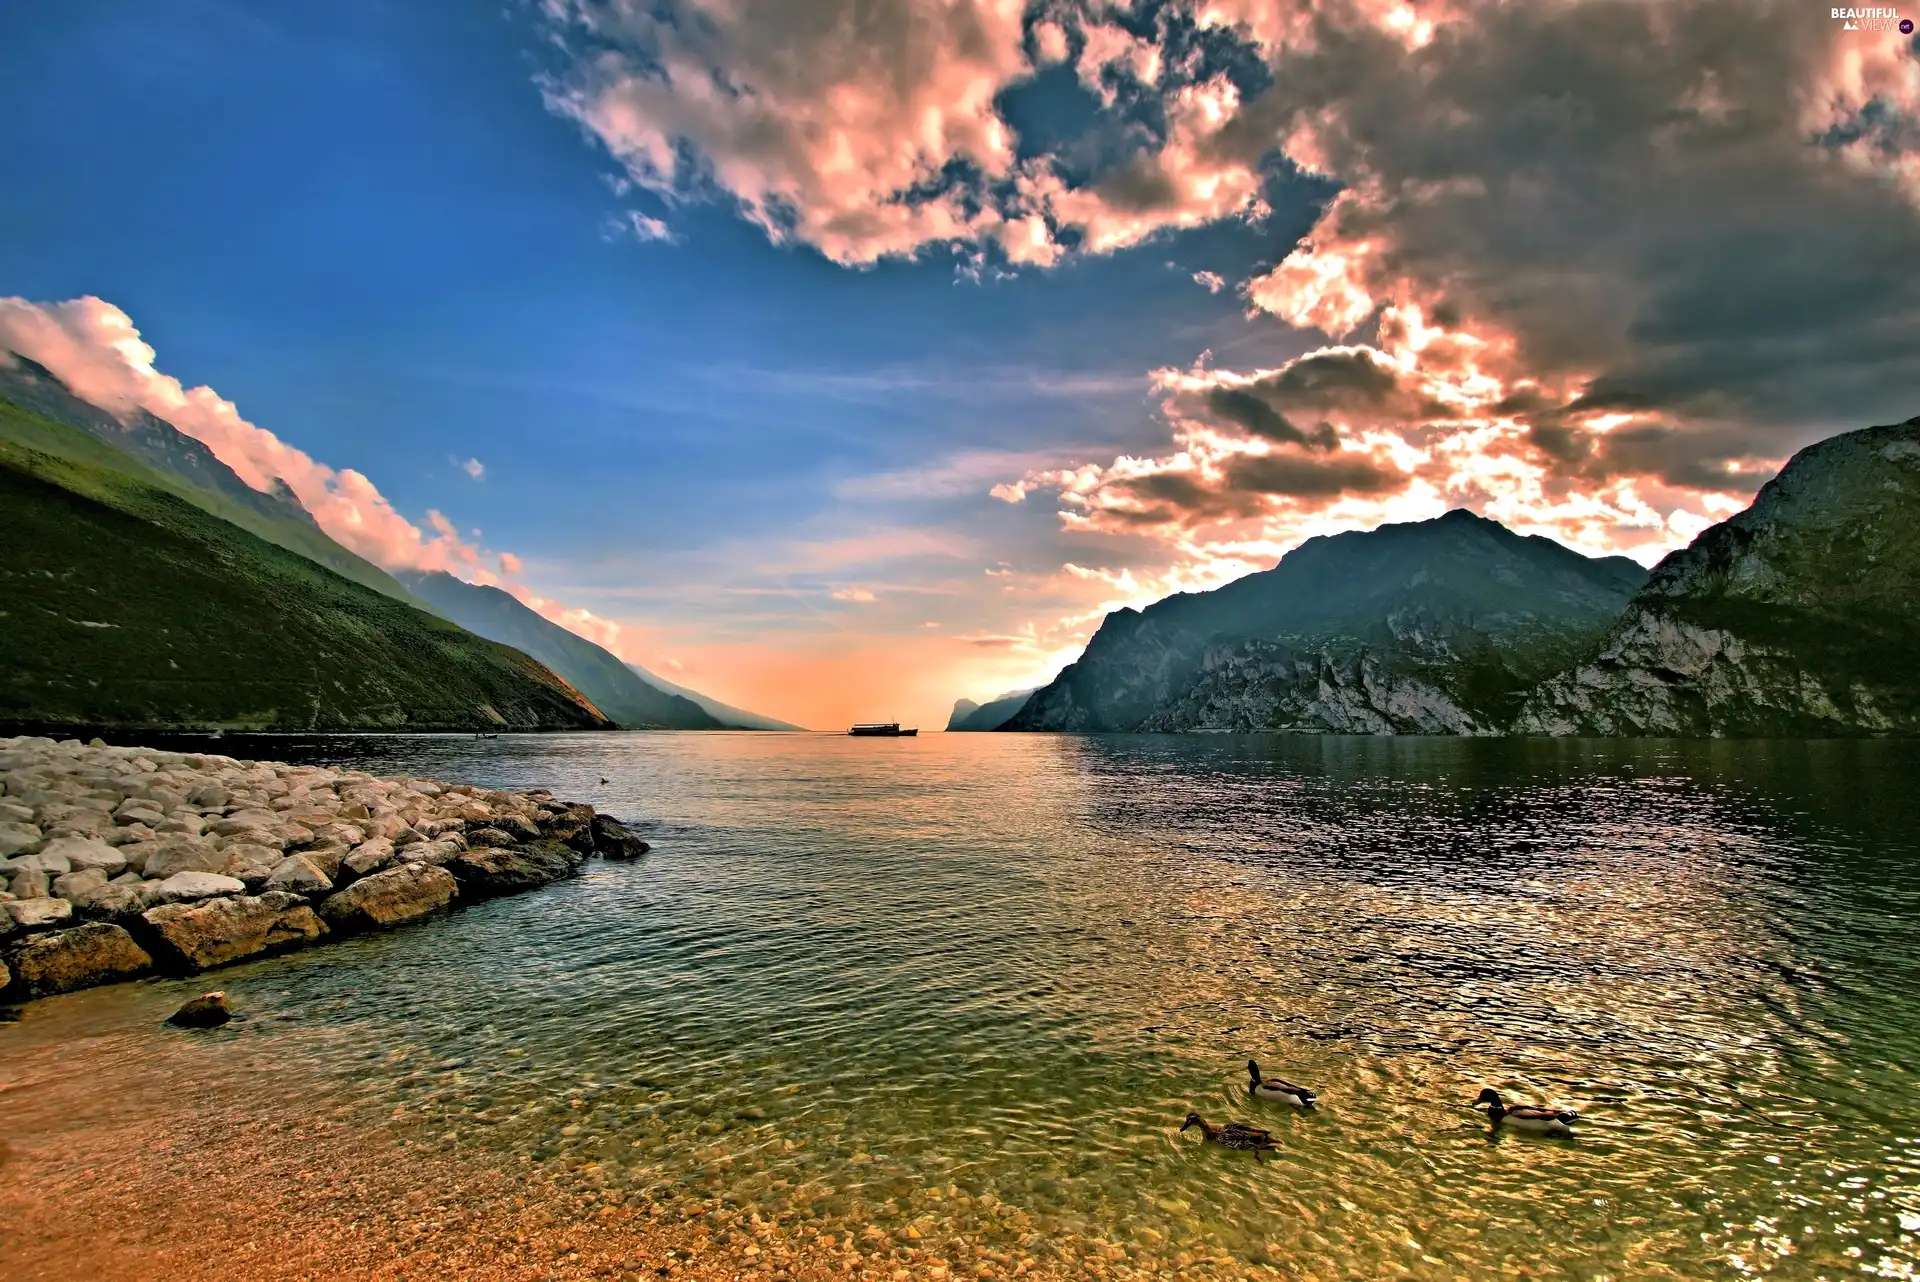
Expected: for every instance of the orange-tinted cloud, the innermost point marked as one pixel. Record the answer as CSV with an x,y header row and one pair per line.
x,y
93,347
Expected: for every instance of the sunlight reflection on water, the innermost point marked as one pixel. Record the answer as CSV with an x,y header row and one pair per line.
x,y
959,991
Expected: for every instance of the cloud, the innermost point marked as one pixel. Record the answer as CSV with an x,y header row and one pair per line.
x,y
1600,266
1213,281
94,348
632,224
857,596
870,129
474,468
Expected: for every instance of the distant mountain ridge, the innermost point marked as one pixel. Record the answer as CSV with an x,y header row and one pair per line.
x,y
614,688
991,715
1437,626
728,715
1799,616
196,472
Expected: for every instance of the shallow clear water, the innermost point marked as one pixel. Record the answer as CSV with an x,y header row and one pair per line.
x,y
962,990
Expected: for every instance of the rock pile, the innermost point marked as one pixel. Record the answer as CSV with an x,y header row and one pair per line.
x,y
118,861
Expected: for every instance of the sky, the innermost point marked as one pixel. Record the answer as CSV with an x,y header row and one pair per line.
x,y
840,358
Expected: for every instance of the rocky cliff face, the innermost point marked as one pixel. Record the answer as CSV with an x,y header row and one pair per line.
x,y
1436,627
1800,616
1258,686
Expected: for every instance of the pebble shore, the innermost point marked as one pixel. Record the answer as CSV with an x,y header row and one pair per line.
x,y
118,862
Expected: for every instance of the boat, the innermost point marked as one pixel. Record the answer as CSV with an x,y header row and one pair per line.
x,y
883,730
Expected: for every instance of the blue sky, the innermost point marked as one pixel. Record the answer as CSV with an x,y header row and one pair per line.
x,y
381,231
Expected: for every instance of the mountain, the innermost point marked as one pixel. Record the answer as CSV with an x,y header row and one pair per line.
x,y
1798,617
1429,627
991,715
593,670
123,604
728,715
183,464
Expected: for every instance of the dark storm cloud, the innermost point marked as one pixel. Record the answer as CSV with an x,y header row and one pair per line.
x,y
1635,191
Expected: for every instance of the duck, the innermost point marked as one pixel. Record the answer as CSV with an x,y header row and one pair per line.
x,y
1527,1117
1277,1088
1232,1135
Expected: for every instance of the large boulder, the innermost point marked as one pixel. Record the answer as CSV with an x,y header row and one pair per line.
x,y
245,821
182,854
62,961
185,887
30,883
51,864
435,853
18,839
369,856
327,859
519,827
485,871
196,936
613,840
391,898
249,861
82,853
297,873
114,901
39,914
572,826
70,886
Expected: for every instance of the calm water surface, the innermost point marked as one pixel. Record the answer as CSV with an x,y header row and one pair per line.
x,y
964,988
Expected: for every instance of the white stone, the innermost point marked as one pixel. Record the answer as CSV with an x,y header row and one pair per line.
x,y
71,886
298,874
183,854
51,864
183,887
19,838
36,914
85,852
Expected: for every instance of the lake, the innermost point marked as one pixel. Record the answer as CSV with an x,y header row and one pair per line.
x,y
961,990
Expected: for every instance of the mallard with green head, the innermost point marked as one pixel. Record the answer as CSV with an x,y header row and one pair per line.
x,y
1277,1088
1527,1117
1232,1135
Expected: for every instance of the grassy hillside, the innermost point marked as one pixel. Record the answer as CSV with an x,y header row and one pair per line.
x,y
592,670
124,604
32,401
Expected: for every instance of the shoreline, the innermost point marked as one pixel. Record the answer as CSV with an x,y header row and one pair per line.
x,y
117,863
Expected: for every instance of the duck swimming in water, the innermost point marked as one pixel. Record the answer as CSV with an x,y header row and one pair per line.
x,y
1527,1117
1232,1135
1277,1088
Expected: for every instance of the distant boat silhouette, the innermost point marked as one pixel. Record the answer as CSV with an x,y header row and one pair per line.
x,y
883,730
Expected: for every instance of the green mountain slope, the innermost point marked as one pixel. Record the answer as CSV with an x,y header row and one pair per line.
x,y
123,604
592,670
176,462
1435,626
1797,617
728,715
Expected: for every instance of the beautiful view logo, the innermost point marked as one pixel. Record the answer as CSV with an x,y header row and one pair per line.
x,y
1873,20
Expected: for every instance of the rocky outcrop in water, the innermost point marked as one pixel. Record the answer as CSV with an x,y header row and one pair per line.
x,y
1798,617
124,860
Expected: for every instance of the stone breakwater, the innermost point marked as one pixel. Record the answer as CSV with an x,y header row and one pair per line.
x,y
121,862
